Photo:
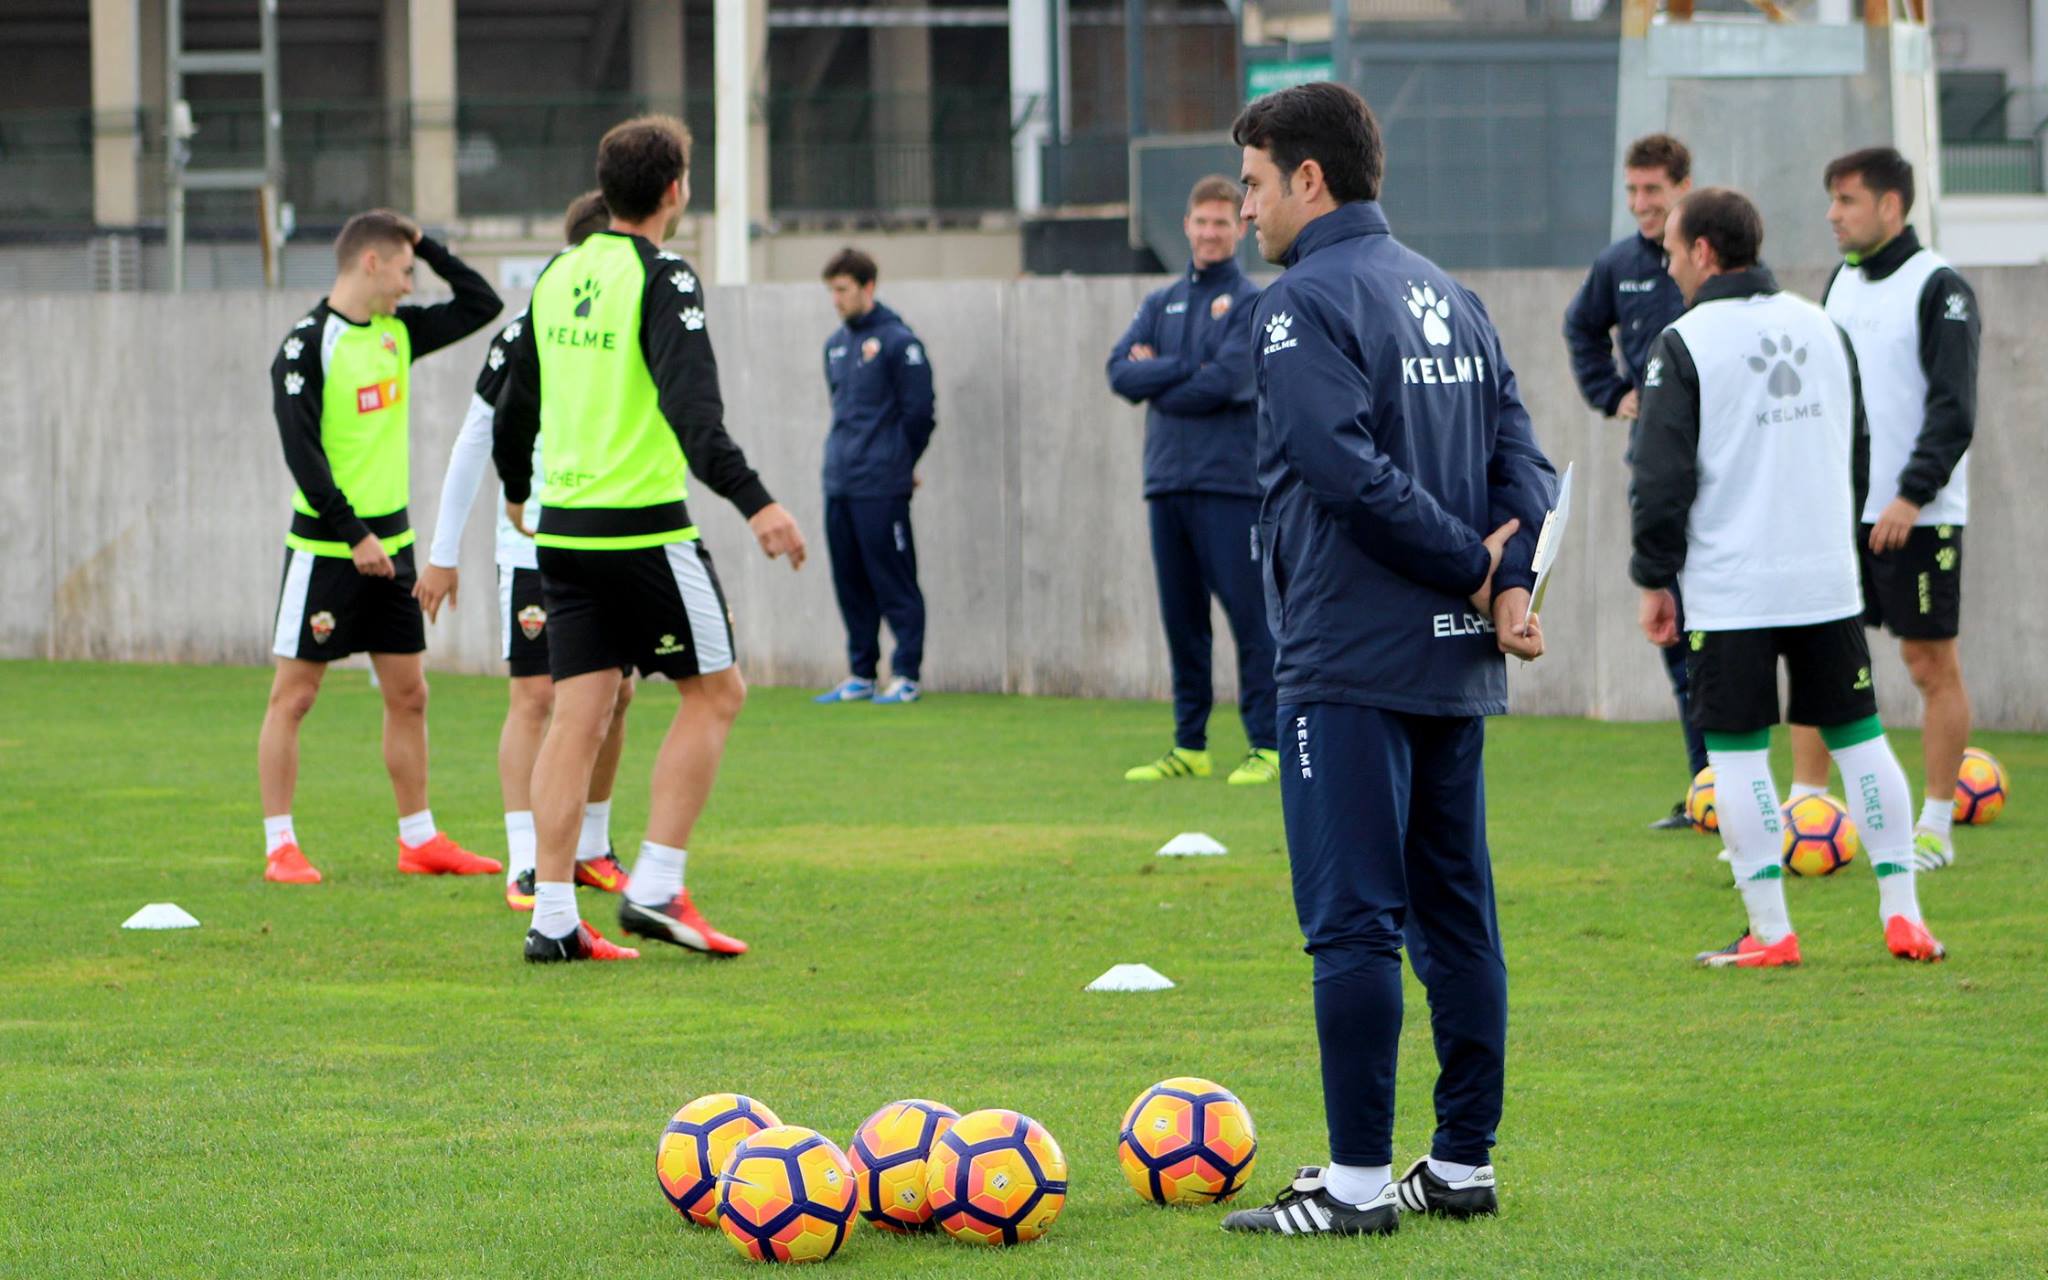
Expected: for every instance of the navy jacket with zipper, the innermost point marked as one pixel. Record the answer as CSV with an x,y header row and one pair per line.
x,y
1391,440
1201,427
882,406
1630,295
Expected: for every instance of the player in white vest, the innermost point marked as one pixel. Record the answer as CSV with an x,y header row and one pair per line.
x,y
1742,494
522,625
1914,324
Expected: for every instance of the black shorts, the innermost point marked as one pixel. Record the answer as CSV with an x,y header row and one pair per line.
x,y
1915,592
523,621
656,608
326,610
1734,676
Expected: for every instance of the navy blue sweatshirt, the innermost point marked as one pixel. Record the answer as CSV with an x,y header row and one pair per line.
x,y
1391,440
882,406
1201,428
1629,290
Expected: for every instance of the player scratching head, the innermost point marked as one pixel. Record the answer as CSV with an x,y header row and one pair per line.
x,y
1712,232
373,258
1870,192
643,171
1307,150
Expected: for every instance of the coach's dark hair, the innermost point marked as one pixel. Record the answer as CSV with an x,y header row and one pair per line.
x,y
375,229
586,216
1881,168
1215,187
1659,151
1324,122
851,262
1725,219
637,160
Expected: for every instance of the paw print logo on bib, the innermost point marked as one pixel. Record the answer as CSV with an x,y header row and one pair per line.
x,y
1779,357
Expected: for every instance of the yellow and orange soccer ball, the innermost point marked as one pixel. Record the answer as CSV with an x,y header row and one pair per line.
x,y
996,1177
889,1154
1699,802
1187,1141
1820,837
697,1143
1980,788
787,1195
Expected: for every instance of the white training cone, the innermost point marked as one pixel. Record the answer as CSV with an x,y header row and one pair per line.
x,y
1131,977
161,915
1192,844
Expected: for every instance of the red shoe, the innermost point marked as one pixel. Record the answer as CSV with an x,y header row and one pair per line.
x,y
1747,953
680,923
443,857
288,866
519,891
602,873
584,944
1909,940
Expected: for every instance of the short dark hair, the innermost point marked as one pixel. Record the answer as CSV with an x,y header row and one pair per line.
x,y
1215,187
1881,168
1324,122
1659,151
637,160
851,262
1725,219
586,216
374,229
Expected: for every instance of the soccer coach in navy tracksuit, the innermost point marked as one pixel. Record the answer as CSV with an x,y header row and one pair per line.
x,y
1391,440
882,419
1188,358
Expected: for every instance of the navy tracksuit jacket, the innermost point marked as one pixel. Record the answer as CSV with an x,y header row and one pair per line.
x,y
882,419
1201,486
1391,440
1629,296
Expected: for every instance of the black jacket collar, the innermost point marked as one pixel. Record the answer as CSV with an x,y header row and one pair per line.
x,y
1217,274
1888,258
1746,283
1345,222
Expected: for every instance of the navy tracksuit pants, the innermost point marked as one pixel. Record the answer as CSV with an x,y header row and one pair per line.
x,y
1681,689
1386,836
874,574
1206,544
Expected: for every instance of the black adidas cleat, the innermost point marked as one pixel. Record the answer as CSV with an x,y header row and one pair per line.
x,y
1676,820
1306,1208
585,943
1421,1191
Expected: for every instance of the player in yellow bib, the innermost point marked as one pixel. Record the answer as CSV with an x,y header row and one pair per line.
x,y
341,386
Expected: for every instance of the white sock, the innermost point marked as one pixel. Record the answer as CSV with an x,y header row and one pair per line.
x,y
1881,801
1357,1184
1747,801
596,839
657,875
417,828
1938,816
1452,1172
1801,790
277,833
554,908
519,843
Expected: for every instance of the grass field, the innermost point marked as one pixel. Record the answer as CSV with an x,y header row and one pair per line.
x,y
364,1079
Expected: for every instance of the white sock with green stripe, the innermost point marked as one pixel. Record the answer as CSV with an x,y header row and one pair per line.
x,y
1881,802
1747,801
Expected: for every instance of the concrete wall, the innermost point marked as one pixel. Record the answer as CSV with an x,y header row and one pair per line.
x,y
142,514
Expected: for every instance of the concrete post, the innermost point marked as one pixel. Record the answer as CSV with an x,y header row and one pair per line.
x,y
1030,98
658,54
739,44
395,77
116,113
900,75
430,27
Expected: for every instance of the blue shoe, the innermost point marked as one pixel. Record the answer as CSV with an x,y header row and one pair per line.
x,y
899,691
851,689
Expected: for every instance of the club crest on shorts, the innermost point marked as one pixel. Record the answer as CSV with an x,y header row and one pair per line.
x,y
531,619
1219,307
870,349
321,625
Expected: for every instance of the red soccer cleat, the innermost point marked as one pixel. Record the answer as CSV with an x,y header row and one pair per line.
x,y
602,873
443,857
1910,940
1747,953
519,891
288,866
584,944
678,922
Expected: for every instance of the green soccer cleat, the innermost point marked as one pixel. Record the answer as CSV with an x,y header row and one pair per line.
x,y
1260,766
1931,852
1177,763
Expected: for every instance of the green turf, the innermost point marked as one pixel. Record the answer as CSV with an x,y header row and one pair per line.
x,y
364,1079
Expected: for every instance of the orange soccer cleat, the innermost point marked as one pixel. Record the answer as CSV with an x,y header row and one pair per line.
x,y
584,944
288,866
602,873
679,922
1747,953
519,891
443,857
1910,940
